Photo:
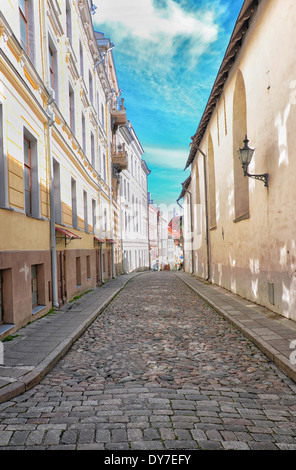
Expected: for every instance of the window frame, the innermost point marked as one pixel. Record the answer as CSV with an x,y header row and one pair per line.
x,y
24,16
28,167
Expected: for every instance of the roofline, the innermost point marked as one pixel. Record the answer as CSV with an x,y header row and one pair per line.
x,y
234,46
185,186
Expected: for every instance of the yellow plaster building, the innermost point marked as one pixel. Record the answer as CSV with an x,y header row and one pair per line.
x,y
243,226
58,202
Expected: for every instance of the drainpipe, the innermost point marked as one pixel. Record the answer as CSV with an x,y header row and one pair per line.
x,y
50,122
55,302
191,227
102,266
112,254
207,215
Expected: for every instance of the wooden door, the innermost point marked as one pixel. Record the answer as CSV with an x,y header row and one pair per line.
x,y
61,271
98,267
1,298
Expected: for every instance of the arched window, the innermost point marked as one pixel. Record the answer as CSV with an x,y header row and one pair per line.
x,y
241,184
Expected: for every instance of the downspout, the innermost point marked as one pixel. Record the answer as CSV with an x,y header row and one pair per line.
x,y
112,255
149,241
102,264
191,227
207,215
55,302
50,122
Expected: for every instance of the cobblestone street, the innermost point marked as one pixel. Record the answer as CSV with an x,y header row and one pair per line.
x,y
158,369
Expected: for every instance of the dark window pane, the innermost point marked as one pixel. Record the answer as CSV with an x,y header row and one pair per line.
x,y
24,38
27,152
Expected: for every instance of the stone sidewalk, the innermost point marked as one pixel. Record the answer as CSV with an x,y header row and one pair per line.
x,y
270,332
36,348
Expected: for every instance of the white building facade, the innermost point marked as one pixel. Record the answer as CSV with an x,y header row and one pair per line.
x,y
134,203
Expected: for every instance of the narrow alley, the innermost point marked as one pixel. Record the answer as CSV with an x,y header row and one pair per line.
x,y
158,369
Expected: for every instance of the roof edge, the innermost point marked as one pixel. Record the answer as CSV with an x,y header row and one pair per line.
x,y
235,43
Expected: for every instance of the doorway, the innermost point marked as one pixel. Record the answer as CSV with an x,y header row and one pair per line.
x,y
61,271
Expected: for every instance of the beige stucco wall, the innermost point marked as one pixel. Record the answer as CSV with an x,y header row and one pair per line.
x,y
249,254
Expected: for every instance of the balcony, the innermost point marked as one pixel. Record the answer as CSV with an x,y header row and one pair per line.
x,y
119,157
119,115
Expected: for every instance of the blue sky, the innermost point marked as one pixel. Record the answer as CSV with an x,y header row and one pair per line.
x,y
167,54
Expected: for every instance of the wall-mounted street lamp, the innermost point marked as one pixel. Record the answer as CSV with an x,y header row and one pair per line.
x,y
245,155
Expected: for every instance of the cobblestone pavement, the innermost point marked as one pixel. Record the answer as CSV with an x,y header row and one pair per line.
x,y
158,369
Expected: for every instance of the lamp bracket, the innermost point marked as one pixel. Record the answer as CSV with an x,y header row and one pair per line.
x,y
263,177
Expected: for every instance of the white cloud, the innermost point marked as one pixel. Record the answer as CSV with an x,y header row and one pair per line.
x,y
159,31
145,21
164,157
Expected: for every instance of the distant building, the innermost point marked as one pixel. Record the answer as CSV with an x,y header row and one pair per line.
x,y
134,203
239,230
153,236
175,243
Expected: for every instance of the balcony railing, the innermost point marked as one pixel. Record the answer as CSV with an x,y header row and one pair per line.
x,y
119,157
119,115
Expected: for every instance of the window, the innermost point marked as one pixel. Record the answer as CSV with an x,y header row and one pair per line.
x,y
57,192
100,160
34,286
68,21
31,178
83,132
53,68
85,211
241,184
31,183
78,271
102,116
24,24
105,220
90,86
71,109
98,104
74,203
37,287
81,59
94,217
93,154
104,168
26,16
6,297
88,267
28,176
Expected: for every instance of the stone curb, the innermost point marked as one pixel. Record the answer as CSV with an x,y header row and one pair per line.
x,y
275,356
34,377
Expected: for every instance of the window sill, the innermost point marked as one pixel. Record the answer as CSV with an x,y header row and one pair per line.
x,y
242,217
6,327
38,309
35,217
